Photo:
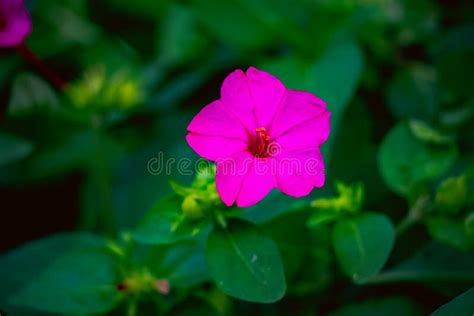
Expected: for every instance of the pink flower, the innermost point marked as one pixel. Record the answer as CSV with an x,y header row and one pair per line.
x,y
15,23
261,136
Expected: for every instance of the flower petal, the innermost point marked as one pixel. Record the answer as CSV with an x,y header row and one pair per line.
x,y
229,175
258,182
236,97
215,120
215,147
296,107
266,91
18,23
310,133
299,171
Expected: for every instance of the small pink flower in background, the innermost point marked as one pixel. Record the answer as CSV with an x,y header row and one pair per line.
x,y
261,136
15,23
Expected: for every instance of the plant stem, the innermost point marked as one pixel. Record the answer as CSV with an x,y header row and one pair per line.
x,y
132,307
41,67
107,220
414,215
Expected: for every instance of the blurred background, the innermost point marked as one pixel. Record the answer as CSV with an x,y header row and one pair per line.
x,y
138,71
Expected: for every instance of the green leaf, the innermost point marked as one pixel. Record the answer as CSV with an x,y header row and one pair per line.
x,y
219,18
450,231
245,264
320,217
393,306
13,148
16,270
412,94
178,38
405,161
463,305
334,77
30,93
141,8
79,282
432,263
61,25
182,264
287,231
363,244
165,223
455,60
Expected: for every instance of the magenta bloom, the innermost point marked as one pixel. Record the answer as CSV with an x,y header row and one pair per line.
x,y
261,136
15,23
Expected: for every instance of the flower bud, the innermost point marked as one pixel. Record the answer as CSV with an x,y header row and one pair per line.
x,y
191,208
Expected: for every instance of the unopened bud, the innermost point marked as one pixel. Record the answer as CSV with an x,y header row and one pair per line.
x,y
191,208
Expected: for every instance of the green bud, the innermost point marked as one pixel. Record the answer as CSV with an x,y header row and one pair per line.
x,y
451,195
191,208
350,198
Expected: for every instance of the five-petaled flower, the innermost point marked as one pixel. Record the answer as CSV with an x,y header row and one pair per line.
x,y
261,136
15,23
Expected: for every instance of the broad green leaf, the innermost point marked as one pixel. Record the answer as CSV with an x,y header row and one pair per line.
x,y
432,263
219,18
178,37
450,231
288,230
16,270
357,127
405,161
13,148
165,223
412,94
273,205
79,150
334,77
141,8
455,60
182,264
363,244
245,264
185,266
78,282
463,305
393,306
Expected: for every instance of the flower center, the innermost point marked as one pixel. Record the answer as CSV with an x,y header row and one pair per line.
x,y
259,144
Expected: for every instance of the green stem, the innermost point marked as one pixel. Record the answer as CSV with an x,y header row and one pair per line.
x,y
106,217
414,215
132,307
